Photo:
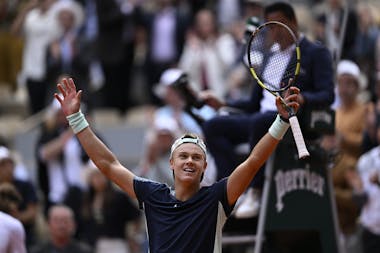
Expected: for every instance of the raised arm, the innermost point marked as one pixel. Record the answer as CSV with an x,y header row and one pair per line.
x,y
103,158
241,177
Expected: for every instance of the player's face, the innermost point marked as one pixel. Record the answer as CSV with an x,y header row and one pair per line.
x,y
188,163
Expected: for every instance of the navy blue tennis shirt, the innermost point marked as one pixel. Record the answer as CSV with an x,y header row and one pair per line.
x,y
177,226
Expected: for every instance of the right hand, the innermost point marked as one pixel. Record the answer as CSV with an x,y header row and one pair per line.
x,y
70,103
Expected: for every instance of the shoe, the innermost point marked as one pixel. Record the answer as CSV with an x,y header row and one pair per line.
x,y
249,206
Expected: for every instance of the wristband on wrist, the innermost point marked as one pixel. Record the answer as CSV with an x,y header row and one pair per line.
x,y
77,122
278,128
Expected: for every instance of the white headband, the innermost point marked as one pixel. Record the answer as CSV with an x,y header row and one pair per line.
x,y
188,139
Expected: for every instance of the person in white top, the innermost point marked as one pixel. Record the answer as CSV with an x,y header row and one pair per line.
x,y
38,27
12,232
208,55
369,168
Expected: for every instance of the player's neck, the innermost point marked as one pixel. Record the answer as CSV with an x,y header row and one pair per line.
x,y
184,192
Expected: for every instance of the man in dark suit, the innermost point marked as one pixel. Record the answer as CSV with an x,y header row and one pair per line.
x,y
165,30
317,91
115,50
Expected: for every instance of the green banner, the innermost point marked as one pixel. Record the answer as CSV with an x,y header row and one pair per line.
x,y
299,206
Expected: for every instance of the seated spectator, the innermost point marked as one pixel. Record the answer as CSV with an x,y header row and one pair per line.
x,y
61,226
345,144
351,113
28,207
107,213
11,230
60,160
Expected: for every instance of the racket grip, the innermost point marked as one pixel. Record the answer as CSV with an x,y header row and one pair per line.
x,y
298,138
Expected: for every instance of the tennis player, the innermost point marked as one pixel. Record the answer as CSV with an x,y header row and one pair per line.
x,y
188,218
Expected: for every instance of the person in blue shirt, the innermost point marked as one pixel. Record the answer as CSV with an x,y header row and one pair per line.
x,y
189,218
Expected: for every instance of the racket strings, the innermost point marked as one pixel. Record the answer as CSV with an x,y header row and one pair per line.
x,y
272,56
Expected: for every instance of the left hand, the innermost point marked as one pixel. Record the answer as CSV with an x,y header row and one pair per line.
x,y
291,100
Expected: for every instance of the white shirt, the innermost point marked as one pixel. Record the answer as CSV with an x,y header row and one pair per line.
x,y
12,234
217,57
63,174
39,30
273,73
368,164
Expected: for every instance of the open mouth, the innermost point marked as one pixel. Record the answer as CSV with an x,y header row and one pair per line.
x,y
190,170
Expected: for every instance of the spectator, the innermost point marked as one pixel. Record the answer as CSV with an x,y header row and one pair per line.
x,y
28,207
164,28
369,168
10,46
365,43
11,230
108,212
38,27
70,52
208,55
331,22
347,142
60,161
115,50
351,113
61,226
370,135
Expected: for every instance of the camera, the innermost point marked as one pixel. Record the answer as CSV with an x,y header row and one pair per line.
x,y
182,86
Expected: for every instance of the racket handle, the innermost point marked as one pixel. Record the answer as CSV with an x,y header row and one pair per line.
x,y
298,137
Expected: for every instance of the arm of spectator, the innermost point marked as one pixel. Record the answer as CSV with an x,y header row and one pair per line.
x,y
211,99
18,22
53,148
28,215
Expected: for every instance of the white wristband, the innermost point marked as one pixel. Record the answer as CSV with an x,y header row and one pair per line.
x,y
77,121
278,128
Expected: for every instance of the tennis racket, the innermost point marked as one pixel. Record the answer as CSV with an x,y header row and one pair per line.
x,y
274,62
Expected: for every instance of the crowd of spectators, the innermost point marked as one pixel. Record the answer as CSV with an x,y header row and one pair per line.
x,y
111,48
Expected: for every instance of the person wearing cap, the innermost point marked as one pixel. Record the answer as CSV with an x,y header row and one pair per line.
x,y
350,117
346,141
188,218
70,53
28,206
11,230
